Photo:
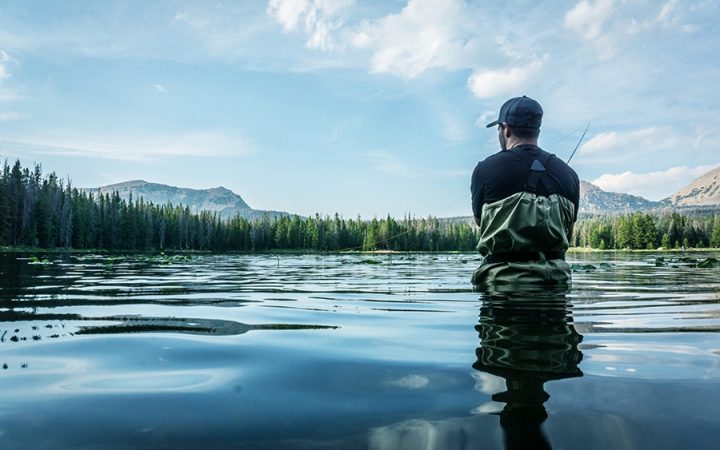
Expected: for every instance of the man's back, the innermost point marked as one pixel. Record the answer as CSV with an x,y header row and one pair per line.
x,y
507,172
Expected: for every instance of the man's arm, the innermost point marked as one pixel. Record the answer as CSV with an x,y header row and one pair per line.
x,y
576,194
477,194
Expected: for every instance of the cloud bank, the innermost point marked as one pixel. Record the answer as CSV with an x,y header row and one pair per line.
x,y
146,149
651,185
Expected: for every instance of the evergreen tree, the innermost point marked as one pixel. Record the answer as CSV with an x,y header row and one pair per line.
x,y
715,237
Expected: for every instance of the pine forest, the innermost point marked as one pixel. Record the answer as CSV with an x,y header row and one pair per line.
x,y
38,211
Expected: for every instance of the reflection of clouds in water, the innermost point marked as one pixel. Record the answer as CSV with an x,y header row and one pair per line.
x,y
48,365
642,347
146,381
418,434
646,360
411,382
68,376
489,408
487,383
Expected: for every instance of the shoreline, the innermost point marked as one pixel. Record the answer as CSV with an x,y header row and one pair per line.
x,y
571,250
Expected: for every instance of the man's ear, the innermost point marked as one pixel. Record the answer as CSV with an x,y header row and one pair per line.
x,y
507,131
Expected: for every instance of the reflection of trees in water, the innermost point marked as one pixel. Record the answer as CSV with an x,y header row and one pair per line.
x,y
527,339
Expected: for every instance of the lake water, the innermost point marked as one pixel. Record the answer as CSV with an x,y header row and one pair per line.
x,y
354,352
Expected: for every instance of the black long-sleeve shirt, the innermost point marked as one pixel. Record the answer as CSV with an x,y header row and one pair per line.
x,y
506,173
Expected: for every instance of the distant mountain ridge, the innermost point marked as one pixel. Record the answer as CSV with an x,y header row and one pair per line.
x,y
219,199
702,191
703,194
594,200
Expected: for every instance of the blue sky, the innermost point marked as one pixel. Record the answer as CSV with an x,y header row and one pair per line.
x,y
356,107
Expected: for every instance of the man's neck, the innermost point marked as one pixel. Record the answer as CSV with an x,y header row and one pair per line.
x,y
512,143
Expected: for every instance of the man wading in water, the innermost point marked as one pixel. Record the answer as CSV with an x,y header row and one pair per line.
x,y
525,201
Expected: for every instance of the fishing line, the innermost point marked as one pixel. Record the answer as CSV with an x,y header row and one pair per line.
x,y
564,137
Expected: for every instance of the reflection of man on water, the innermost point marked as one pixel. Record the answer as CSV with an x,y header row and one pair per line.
x,y
528,342
525,201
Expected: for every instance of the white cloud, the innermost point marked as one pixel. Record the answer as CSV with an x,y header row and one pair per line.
x,y
669,17
423,35
485,118
701,136
317,18
4,60
651,185
160,88
492,83
587,18
653,137
141,149
426,34
665,14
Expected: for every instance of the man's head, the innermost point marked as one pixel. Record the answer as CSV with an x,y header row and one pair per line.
x,y
518,122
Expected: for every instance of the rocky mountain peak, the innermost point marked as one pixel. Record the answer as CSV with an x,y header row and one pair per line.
x,y
218,199
702,191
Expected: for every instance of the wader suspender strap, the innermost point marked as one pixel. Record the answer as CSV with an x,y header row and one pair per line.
x,y
537,169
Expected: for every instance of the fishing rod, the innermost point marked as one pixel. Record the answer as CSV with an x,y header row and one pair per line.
x,y
578,144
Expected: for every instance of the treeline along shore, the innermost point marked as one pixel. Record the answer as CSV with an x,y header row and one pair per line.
x,y
669,230
42,211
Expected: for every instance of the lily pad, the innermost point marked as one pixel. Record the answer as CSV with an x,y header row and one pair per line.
x,y
582,267
709,263
34,260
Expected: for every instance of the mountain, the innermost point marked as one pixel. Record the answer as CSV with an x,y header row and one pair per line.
x,y
701,194
221,200
702,191
594,200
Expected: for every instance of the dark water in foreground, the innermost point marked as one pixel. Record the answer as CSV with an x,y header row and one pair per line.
x,y
336,352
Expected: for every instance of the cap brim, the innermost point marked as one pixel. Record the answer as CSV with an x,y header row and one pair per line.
x,y
492,124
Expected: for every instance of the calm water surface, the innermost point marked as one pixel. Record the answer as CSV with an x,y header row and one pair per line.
x,y
354,351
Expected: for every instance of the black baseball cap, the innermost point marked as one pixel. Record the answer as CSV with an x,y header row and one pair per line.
x,y
520,112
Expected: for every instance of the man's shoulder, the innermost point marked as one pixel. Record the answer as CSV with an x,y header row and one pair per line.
x,y
562,165
496,158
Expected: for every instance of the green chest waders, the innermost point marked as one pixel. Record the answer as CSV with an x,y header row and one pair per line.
x,y
524,236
